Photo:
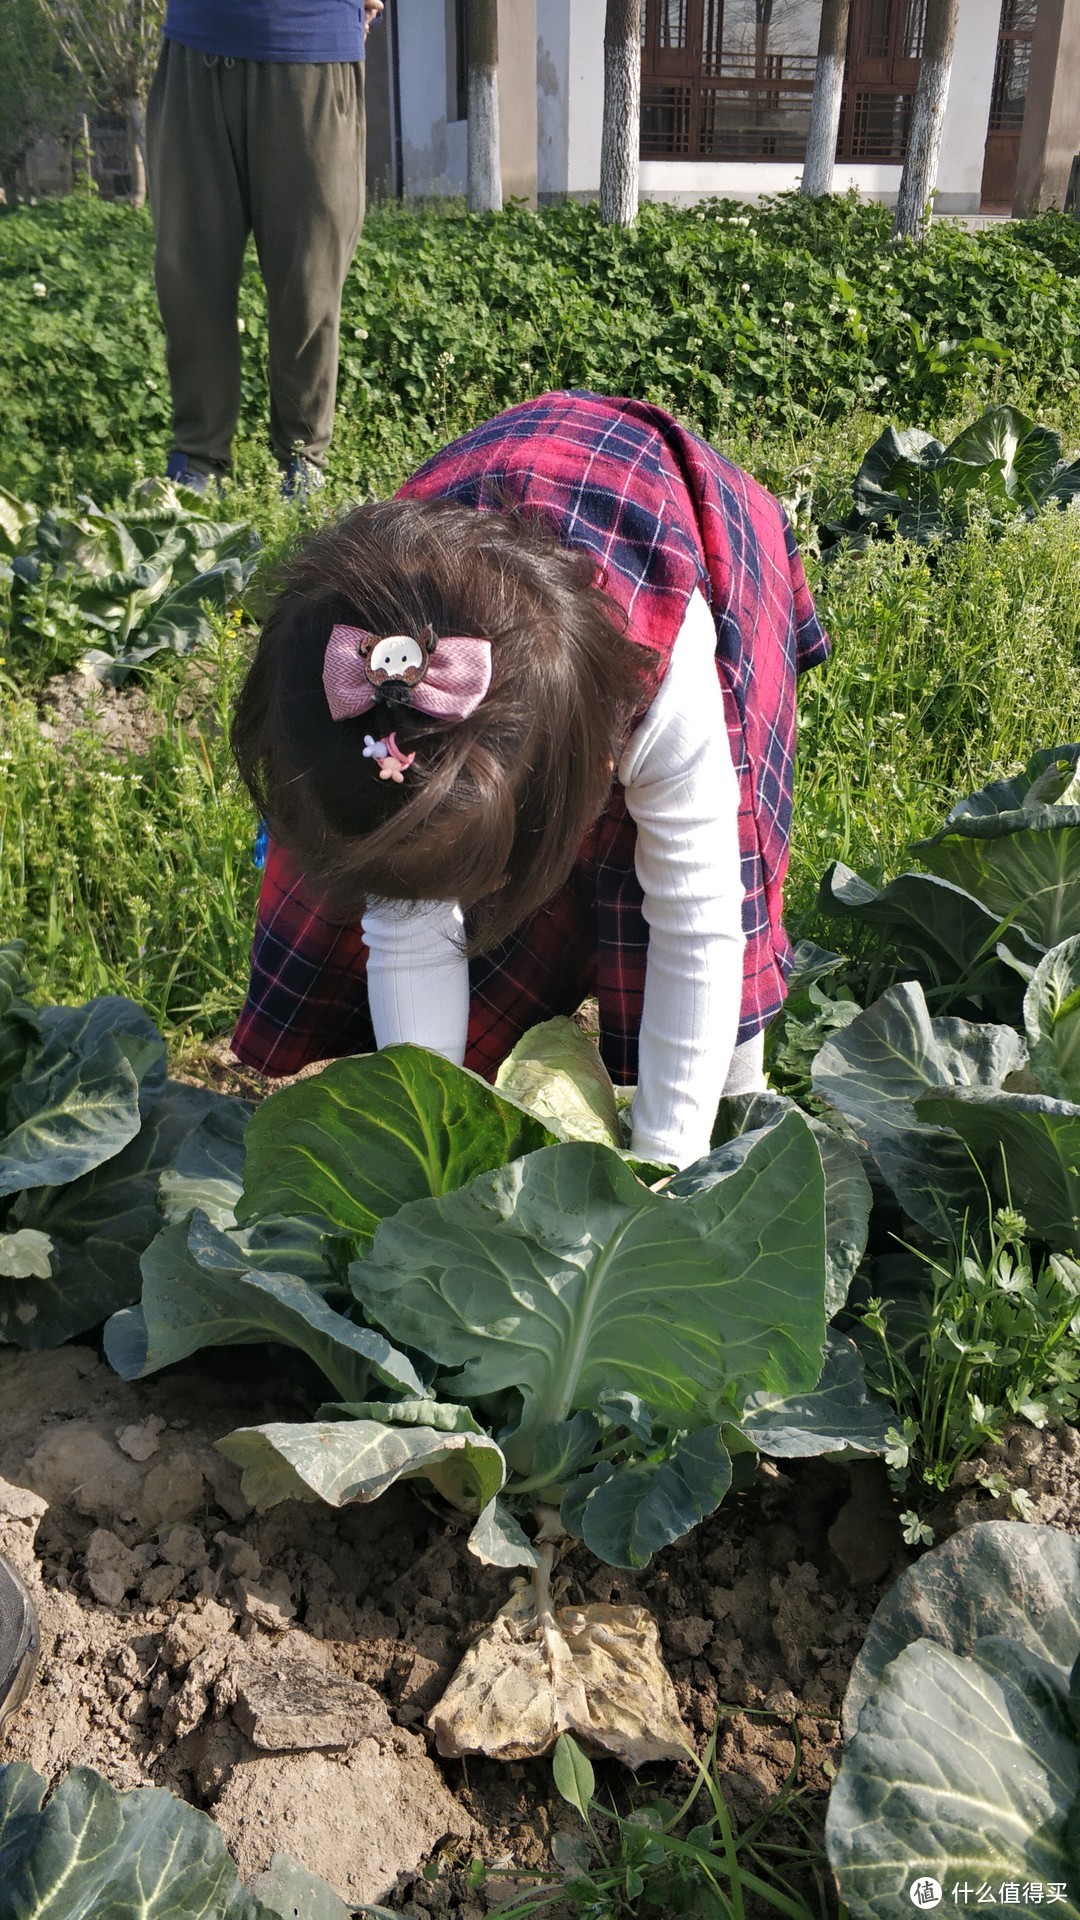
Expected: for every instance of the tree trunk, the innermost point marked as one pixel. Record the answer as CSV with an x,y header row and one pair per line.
x,y
919,177
484,169
620,140
86,154
135,115
825,104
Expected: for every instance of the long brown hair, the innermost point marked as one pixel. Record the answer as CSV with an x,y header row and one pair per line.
x,y
494,808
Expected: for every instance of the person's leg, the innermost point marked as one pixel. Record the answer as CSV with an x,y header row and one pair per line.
x,y
306,162
198,197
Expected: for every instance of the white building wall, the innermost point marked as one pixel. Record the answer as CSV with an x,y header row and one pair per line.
x,y
682,182
433,155
552,97
963,137
570,79
570,94
967,112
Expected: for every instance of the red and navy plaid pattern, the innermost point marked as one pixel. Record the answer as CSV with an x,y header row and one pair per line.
x,y
663,513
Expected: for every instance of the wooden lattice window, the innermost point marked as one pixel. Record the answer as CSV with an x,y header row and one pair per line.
x,y
1009,96
727,79
885,39
732,79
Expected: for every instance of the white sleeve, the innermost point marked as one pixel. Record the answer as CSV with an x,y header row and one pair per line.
x,y
418,975
683,794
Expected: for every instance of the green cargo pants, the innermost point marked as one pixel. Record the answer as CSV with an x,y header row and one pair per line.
x,y
274,149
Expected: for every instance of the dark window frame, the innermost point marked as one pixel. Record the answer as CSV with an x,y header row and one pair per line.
x,y
684,88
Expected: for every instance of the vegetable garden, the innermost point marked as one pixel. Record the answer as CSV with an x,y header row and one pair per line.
x,y
466,1516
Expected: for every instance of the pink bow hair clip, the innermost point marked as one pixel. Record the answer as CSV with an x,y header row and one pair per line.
x,y
392,763
445,676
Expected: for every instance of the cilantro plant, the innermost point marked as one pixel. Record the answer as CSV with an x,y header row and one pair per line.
x,y
994,1339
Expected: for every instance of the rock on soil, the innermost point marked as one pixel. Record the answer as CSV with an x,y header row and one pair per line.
x,y
277,1669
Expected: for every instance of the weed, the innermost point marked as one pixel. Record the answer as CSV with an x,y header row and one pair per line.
x,y
659,1859
993,1339
789,316
944,669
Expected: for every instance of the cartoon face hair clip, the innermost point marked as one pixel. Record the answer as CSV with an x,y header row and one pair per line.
x,y
444,676
391,762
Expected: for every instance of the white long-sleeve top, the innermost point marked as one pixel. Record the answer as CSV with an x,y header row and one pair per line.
x,y
682,793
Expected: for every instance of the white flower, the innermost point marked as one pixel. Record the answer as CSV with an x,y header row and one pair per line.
x,y
239,323
39,289
746,286
25,1255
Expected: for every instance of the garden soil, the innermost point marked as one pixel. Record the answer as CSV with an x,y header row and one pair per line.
x,y
277,1669
123,716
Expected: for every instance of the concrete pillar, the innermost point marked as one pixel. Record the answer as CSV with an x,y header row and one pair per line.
x,y
1051,131
517,99
570,72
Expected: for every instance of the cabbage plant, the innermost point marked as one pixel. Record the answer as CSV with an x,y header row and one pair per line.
x,y
949,1109
962,1732
88,1120
91,1851
911,485
1001,887
135,584
563,1352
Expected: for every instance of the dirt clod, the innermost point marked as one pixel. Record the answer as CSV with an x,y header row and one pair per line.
x,y
300,1705
358,1820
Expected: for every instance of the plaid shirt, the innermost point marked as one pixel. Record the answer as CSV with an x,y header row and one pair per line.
x,y
664,514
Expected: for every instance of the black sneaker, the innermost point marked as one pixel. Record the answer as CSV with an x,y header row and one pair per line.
x,y
179,470
18,1640
300,479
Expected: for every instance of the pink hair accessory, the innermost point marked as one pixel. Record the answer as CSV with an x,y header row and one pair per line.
x,y
445,676
392,763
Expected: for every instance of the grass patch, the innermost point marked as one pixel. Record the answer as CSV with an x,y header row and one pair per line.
x,y
794,316
950,666
787,334
130,872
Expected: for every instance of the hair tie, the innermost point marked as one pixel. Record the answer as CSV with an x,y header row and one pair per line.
x,y
392,763
445,676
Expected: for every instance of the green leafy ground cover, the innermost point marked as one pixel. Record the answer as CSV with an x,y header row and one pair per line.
x,y
797,315
788,335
